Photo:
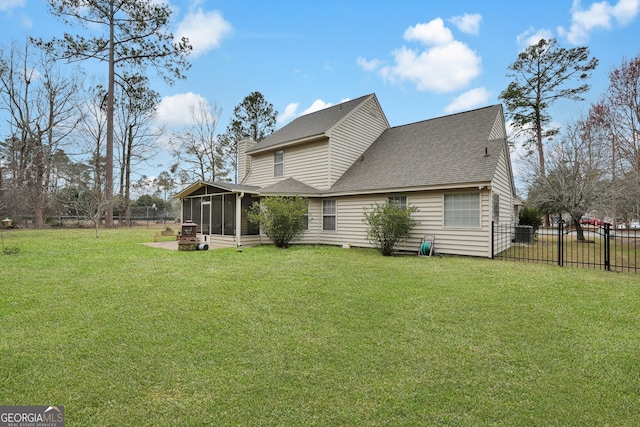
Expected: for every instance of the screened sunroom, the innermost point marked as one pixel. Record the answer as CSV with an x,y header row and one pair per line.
x,y
220,212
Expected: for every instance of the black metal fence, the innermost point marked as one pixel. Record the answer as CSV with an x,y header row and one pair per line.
x,y
601,247
85,222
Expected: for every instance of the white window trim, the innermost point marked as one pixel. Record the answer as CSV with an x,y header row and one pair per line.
x,y
275,154
394,198
458,226
334,215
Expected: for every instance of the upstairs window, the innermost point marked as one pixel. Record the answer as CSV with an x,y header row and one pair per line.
x,y
462,210
278,163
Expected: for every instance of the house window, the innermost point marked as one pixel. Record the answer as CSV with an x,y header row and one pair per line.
x,y
278,163
462,210
496,208
401,201
328,215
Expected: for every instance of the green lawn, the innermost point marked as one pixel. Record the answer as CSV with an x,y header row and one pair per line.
x,y
123,334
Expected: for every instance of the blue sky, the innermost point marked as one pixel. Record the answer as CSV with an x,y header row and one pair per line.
x,y
422,59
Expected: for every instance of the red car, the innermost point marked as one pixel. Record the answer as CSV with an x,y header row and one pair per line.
x,y
592,221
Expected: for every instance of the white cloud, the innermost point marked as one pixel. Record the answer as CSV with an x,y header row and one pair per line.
x,y
468,100
445,64
443,68
431,33
176,111
625,11
205,30
468,23
290,111
7,5
531,37
317,105
598,16
366,65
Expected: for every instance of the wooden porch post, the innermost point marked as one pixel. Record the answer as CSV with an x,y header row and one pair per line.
x,y
239,219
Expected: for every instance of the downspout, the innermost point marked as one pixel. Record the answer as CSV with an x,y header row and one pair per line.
x,y
239,221
491,222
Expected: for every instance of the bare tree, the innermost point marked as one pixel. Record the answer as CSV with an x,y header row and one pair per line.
x,y
135,110
42,106
91,134
577,178
86,201
617,117
135,38
197,150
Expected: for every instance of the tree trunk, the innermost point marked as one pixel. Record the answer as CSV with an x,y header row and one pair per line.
x,y
579,230
38,191
127,175
108,184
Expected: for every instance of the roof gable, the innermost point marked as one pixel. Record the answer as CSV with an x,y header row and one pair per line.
x,y
310,126
448,150
290,186
208,187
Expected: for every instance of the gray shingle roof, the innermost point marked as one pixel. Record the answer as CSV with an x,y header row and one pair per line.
x,y
312,124
441,151
290,186
444,151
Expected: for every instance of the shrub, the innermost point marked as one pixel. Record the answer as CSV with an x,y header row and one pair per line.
x,y
281,218
530,216
389,224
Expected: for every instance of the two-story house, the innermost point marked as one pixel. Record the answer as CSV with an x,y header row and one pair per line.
x,y
455,169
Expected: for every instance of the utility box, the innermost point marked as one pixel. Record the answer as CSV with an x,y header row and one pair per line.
x,y
524,234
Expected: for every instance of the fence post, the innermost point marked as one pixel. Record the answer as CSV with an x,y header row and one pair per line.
x,y
560,242
607,246
493,233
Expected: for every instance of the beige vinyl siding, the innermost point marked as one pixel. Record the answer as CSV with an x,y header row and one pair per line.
x,y
311,236
218,241
349,226
352,137
261,170
502,185
307,163
350,229
468,241
498,130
